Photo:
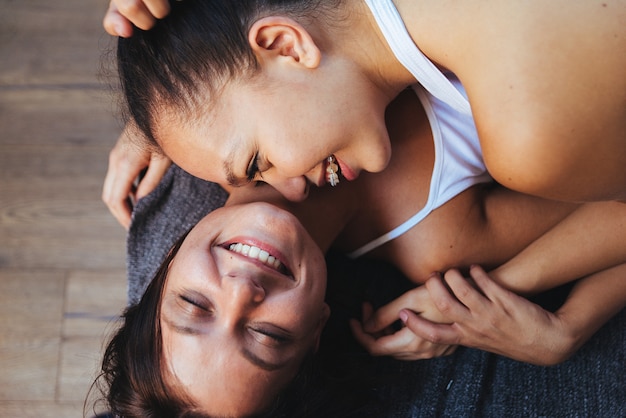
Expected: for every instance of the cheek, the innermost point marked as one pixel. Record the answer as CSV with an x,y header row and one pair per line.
x,y
296,312
298,154
178,369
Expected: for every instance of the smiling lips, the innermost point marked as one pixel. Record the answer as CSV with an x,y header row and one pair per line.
x,y
263,256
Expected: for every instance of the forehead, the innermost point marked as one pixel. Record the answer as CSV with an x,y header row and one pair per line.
x,y
212,142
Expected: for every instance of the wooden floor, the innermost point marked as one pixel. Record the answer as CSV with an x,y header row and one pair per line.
x,y
62,258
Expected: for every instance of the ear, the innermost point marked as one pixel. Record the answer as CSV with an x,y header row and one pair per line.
x,y
320,326
281,37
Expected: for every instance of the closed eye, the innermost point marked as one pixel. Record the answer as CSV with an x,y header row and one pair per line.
x,y
197,306
264,334
253,167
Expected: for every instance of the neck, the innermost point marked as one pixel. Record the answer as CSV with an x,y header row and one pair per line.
x,y
365,44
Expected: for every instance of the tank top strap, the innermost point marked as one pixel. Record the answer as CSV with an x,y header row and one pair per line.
x,y
409,55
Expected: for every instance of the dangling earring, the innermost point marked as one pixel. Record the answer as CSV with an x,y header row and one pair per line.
x,y
331,171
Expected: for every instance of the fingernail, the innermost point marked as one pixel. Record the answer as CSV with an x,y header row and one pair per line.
x,y
403,316
122,31
119,29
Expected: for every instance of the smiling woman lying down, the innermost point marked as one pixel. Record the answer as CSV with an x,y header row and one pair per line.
x,y
215,311
228,321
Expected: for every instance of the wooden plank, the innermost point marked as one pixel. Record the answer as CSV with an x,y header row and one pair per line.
x,y
57,125
94,300
51,42
52,230
32,304
78,368
29,369
53,159
61,116
60,165
43,409
31,313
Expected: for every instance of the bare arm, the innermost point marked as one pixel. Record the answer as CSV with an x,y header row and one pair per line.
x,y
483,315
591,243
591,239
497,320
592,302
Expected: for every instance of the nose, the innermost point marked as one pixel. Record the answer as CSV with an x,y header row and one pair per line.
x,y
295,189
242,290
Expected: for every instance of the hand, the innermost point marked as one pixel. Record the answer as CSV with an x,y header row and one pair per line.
x,y
378,337
494,319
123,14
126,162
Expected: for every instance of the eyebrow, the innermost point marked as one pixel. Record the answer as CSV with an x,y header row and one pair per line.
x,y
231,178
247,354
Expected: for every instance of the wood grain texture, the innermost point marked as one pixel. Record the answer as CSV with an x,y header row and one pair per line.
x,y
62,255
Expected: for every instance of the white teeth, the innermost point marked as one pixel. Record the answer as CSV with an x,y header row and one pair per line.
x,y
257,253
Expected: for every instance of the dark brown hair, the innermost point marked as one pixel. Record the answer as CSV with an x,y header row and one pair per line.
x,y
194,51
132,385
131,367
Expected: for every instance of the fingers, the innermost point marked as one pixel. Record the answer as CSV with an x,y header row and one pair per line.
x,y
492,290
142,13
382,318
115,194
158,8
403,344
120,206
419,339
118,191
115,24
126,161
477,296
159,165
414,299
444,297
440,334
137,12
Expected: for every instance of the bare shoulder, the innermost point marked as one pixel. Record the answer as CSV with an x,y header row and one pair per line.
x,y
546,84
569,48
448,30
508,53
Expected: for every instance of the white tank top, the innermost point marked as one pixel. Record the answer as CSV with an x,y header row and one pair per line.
x,y
458,160
409,55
